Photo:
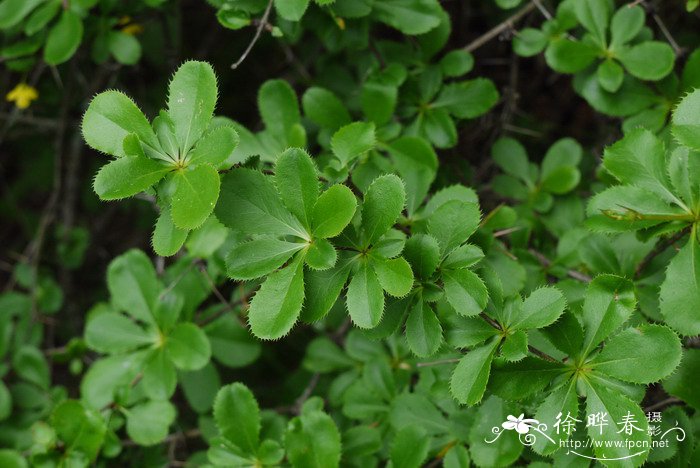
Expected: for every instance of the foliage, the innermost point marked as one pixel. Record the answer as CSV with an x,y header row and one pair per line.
x,y
385,258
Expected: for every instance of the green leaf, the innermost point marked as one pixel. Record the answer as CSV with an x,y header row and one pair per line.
x,y
529,42
394,275
64,38
249,203
12,459
423,329
365,298
257,258
609,303
417,164
191,101
642,355
514,347
14,11
510,155
196,192
561,402
507,448
410,447
566,334
457,457
5,402
594,16
566,56
80,429
469,378
439,127
324,108
352,141
423,253
323,289
408,16
124,47
312,440
148,423
297,183
128,176
453,223
383,203
237,416
378,101
465,291
456,63
231,343
359,441
30,364
333,211
610,75
628,208
522,379
683,382
114,333
679,295
215,146
167,238
39,18
465,332
159,376
616,406
201,387
133,284
543,307
323,355
98,387
651,60
188,347
276,306
110,118
279,108
639,159
614,104
291,10
467,99
321,255
416,410
626,24
686,124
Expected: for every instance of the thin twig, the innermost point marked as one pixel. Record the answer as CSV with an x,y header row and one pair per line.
x,y
437,363
667,34
545,12
299,402
505,25
258,31
658,249
546,263
505,232
663,404
541,354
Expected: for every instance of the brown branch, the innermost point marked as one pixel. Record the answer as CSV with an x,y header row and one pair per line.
x,y
658,249
258,31
546,263
664,403
504,26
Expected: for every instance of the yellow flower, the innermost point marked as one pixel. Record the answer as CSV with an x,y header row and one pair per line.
x,y
127,27
340,22
22,95
132,29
